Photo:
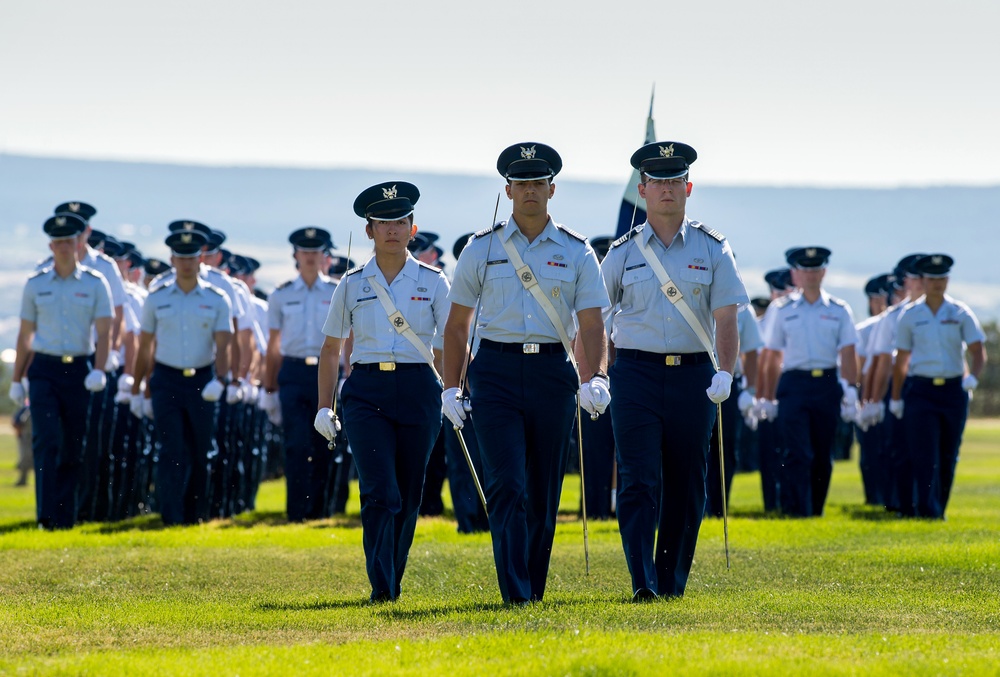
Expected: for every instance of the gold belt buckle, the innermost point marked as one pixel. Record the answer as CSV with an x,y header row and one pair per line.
x,y
938,381
387,366
312,361
67,359
189,372
672,360
530,348
816,373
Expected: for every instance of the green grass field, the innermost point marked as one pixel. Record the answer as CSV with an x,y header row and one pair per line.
x,y
854,592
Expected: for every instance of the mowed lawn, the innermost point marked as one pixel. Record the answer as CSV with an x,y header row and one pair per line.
x,y
854,592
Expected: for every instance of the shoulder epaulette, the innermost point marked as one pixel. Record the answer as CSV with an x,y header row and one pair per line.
x,y
159,278
36,273
625,238
487,231
356,269
428,267
711,232
212,287
782,302
572,233
284,284
840,302
262,295
90,271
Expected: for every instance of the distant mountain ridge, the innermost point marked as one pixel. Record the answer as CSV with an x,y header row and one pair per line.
x,y
867,229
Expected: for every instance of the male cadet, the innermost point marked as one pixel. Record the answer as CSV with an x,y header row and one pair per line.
x,y
666,387
897,470
60,306
191,323
810,331
532,277
92,504
870,415
296,313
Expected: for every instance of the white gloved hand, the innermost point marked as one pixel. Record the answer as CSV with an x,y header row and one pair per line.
x,y
849,404
879,412
147,408
453,406
768,410
250,390
114,361
970,382
124,394
745,402
751,417
722,384
267,401
234,393
135,405
600,389
17,393
274,416
95,381
896,408
326,423
213,390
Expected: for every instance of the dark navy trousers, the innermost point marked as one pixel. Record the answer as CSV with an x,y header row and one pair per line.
x,y
663,423
934,417
769,456
808,411
525,405
392,419
59,418
185,426
598,464
307,454
870,462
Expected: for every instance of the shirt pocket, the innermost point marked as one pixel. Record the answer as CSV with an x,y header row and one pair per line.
x,y
166,320
500,285
365,318
293,318
558,283
205,318
696,286
638,287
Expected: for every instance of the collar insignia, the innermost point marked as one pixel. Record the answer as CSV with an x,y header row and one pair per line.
x,y
389,193
667,151
527,153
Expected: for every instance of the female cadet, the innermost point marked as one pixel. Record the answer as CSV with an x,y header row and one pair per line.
x,y
396,308
934,396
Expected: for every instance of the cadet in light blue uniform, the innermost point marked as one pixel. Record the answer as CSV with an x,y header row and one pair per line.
x,y
665,386
296,313
391,398
521,380
191,323
60,306
868,429
929,392
811,330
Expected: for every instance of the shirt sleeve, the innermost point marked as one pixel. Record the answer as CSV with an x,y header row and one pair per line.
x,y
148,322
727,284
774,333
590,291
972,331
440,308
848,332
904,332
28,310
466,285
104,301
611,272
223,318
338,324
750,338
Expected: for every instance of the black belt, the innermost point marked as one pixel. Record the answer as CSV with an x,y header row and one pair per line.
x,y
675,360
814,373
937,380
310,361
522,348
62,359
186,372
387,366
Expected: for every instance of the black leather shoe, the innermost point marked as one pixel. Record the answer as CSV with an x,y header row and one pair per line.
x,y
644,595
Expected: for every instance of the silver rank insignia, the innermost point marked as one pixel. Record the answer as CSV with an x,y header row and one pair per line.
x,y
74,206
811,252
527,153
389,193
310,232
667,151
555,292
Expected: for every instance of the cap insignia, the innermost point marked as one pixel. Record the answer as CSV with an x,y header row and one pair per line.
x,y
527,153
937,260
389,193
60,220
188,225
74,206
811,252
186,238
310,232
667,151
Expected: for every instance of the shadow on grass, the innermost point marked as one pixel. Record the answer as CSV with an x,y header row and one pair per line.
x,y
406,613
869,513
19,525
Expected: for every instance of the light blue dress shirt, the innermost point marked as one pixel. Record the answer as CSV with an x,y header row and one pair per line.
x,y
185,324
564,264
419,292
935,341
298,312
63,309
811,335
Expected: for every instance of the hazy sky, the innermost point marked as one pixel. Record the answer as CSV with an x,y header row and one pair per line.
x,y
859,93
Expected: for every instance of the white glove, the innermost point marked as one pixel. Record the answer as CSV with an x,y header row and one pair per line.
x,y
722,384
114,361
234,393
17,393
454,406
896,408
745,402
265,400
970,382
147,408
124,394
213,390
274,416
768,410
249,391
849,404
135,405
595,396
95,381
879,412
752,416
326,423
